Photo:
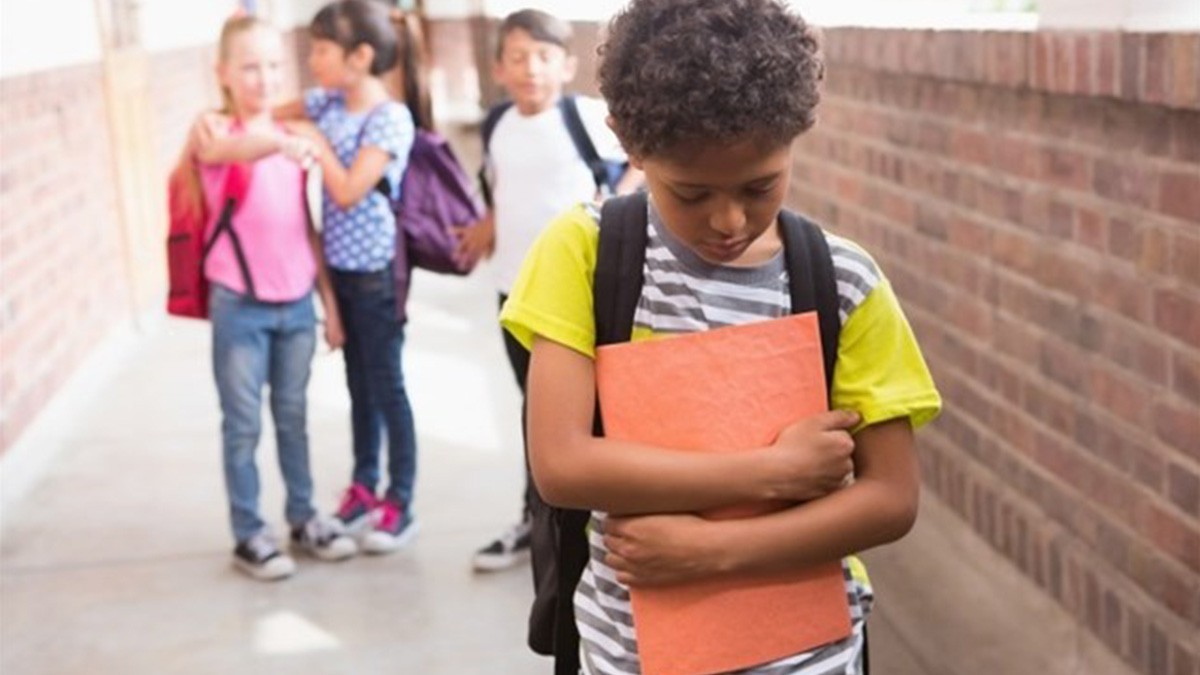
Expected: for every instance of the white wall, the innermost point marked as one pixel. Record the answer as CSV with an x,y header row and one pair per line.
x,y
1135,15
43,34
171,24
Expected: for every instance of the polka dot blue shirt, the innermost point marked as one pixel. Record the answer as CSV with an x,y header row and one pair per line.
x,y
362,238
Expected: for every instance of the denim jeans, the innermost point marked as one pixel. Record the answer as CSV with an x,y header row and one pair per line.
x,y
255,344
378,399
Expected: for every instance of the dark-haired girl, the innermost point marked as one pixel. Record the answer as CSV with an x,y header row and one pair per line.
x,y
366,138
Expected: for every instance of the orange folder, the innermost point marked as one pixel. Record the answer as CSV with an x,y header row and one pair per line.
x,y
724,390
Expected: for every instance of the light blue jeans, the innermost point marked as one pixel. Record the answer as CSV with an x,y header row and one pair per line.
x,y
256,344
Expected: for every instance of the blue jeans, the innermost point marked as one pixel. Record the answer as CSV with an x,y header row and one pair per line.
x,y
378,399
254,344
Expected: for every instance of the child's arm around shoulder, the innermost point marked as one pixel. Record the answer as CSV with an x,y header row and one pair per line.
x,y
212,142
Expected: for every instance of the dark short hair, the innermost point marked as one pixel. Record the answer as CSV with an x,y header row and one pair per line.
x,y
351,23
540,25
677,71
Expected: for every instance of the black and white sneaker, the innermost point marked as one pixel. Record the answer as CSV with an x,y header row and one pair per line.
x,y
260,557
508,550
324,539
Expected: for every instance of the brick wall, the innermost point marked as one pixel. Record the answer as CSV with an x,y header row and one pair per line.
x,y
63,277
1035,200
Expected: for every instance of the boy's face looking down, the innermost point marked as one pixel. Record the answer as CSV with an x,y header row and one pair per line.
x,y
722,200
532,72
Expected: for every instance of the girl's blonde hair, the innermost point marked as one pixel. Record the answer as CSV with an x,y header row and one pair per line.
x,y
186,174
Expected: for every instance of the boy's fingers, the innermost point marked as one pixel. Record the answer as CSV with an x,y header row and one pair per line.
x,y
838,419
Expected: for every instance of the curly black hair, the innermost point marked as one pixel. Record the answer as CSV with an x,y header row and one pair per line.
x,y
676,71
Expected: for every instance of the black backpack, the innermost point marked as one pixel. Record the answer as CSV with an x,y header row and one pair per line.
x,y
605,173
560,548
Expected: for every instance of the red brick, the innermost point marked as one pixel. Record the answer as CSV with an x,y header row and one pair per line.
x,y
1183,489
1125,397
1129,346
1107,79
1061,58
1125,183
1064,168
1185,77
1091,229
1178,426
1183,662
1185,259
1132,48
1154,84
1185,374
1084,81
1179,194
1178,314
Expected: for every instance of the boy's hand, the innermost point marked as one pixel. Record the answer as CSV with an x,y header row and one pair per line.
x,y
476,242
659,550
816,455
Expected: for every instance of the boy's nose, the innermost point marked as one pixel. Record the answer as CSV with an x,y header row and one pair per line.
x,y
729,218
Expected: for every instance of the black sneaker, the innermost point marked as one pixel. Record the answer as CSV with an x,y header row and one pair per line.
x,y
260,557
509,549
324,538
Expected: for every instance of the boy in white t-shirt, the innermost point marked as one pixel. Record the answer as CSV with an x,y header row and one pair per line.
x,y
536,172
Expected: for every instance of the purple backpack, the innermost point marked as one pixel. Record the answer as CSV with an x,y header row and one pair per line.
x,y
435,196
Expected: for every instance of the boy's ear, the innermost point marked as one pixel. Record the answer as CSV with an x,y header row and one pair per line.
x,y
570,68
634,160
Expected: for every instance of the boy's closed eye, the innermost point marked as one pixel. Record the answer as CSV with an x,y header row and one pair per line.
x,y
755,190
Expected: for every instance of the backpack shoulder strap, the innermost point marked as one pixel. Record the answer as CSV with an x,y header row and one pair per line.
x,y
583,142
490,120
619,261
233,190
486,129
812,283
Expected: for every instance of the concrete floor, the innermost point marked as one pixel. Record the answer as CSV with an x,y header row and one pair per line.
x,y
115,558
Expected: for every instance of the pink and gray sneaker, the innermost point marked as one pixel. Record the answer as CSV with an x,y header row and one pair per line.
x,y
393,527
354,512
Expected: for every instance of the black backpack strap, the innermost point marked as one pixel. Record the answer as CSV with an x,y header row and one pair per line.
x,y
583,142
486,129
616,288
812,283
225,225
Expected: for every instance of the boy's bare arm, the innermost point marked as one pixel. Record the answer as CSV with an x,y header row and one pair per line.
x,y
878,508
574,469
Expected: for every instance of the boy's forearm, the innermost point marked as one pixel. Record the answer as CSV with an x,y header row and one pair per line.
x,y
880,507
624,478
